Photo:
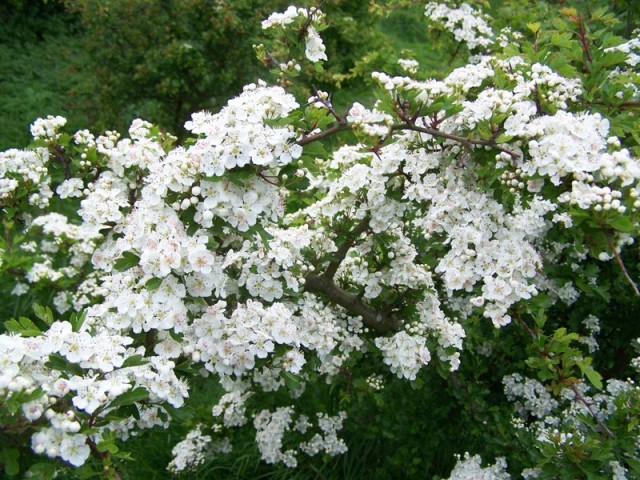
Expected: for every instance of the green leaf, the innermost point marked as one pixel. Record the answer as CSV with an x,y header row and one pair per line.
x,y
42,471
153,284
534,27
130,397
186,367
134,361
622,224
417,384
240,176
76,320
315,149
292,381
10,458
594,377
264,235
127,261
43,313
23,326
29,397
561,40
60,363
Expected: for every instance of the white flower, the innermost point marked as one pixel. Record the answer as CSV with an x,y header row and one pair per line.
x,y
74,449
314,49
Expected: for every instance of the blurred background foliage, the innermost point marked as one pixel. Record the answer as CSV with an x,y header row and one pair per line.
x,y
102,63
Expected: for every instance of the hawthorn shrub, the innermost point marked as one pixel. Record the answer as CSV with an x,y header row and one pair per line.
x,y
445,278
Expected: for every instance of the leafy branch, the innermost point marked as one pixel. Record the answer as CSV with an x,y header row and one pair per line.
x,y
380,321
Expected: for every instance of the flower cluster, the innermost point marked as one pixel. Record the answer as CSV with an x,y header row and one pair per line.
x,y
470,468
47,128
463,199
405,354
311,18
271,428
562,423
26,168
231,345
631,48
409,65
56,234
467,24
105,376
372,122
532,398
190,452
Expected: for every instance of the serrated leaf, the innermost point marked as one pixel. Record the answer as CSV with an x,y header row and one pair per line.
x,y
622,224
127,261
534,27
569,12
60,363
42,471
186,368
131,397
264,235
315,149
240,176
29,397
23,326
594,377
561,40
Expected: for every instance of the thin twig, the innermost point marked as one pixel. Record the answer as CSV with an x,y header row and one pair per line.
x,y
629,104
101,455
583,400
466,141
323,134
621,265
328,105
524,325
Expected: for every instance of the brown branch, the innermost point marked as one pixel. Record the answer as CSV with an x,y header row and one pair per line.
x,y
583,40
102,456
583,400
270,61
266,179
341,127
13,426
409,125
61,156
372,318
524,325
621,265
536,97
328,105
348,242
465,141
629,104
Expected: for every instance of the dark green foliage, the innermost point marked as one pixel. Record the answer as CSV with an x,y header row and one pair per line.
x,y
41,62
163,60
